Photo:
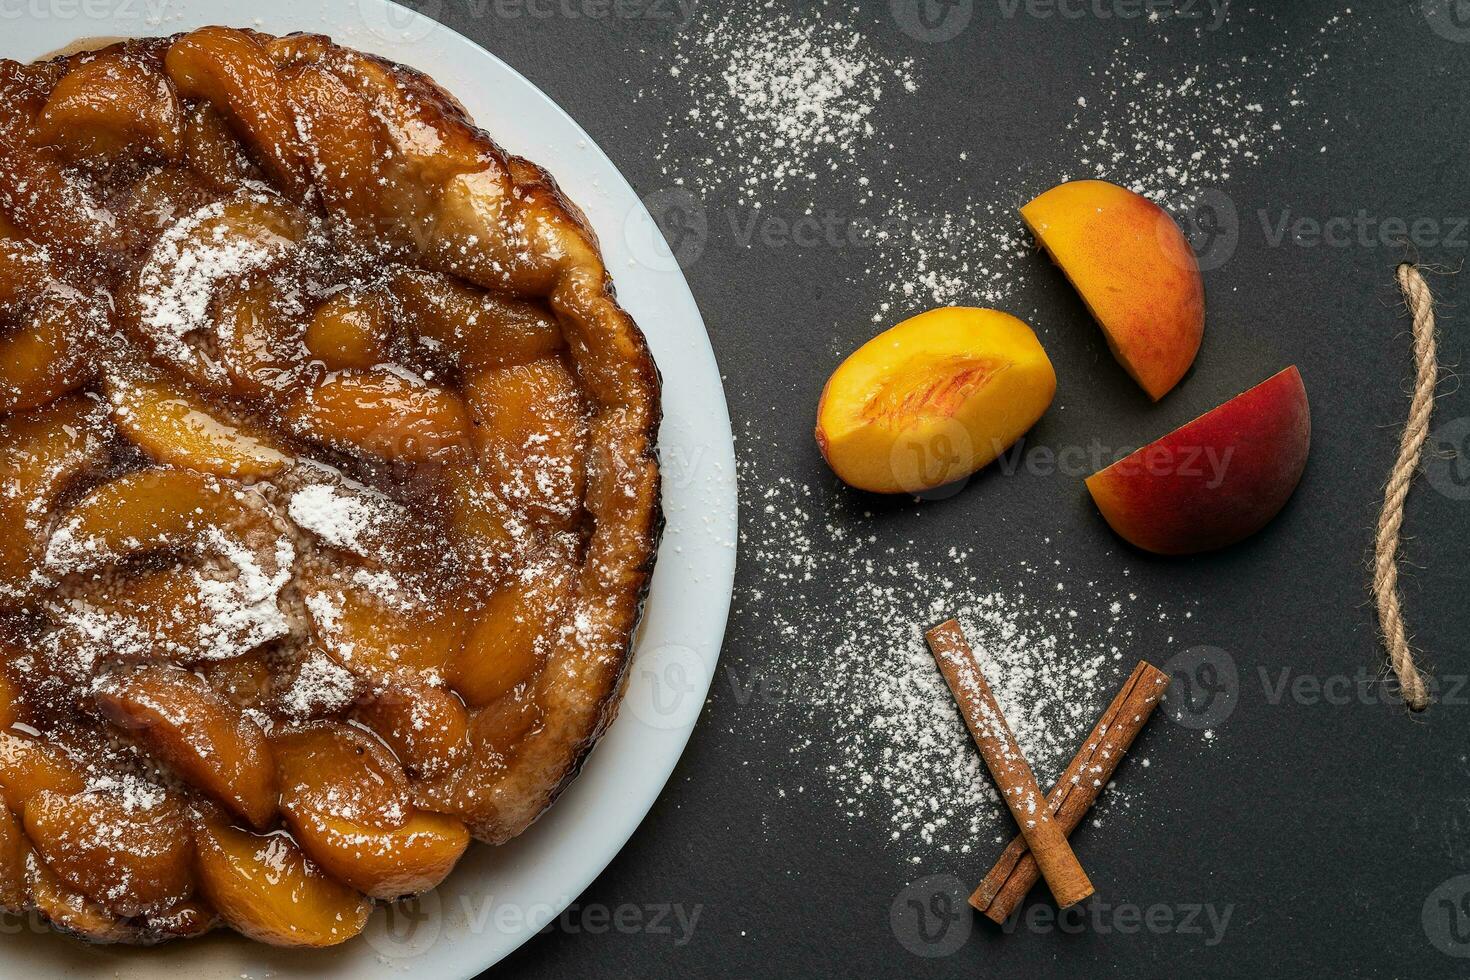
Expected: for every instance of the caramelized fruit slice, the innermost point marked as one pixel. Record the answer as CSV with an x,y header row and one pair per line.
x,y
495,735
43,359
260,344
198,733
331,768
212,152
40,451
196,266
384,863
14,850
489,533
29,766
379,638
350,330
426,727
231,71
176,427
478,329
142,511
385,415
109,107
70,910
513,633
358,175
531,436
130,855
265,888
178,611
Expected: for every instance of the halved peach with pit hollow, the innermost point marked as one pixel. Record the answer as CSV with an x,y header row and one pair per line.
x,y
1135,271
933,399
204,738
1215,481
266,889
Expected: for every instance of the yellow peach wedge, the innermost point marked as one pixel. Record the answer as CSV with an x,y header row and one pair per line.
x,y
1135,271
932,400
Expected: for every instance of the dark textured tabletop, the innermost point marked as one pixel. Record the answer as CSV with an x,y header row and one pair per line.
x,y
1320,830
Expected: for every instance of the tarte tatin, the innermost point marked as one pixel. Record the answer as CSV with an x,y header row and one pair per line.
x,y
328,496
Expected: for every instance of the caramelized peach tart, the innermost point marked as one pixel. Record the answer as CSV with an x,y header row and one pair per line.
x,y
328,495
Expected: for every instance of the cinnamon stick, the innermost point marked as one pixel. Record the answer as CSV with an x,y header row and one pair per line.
x,y
1044,836
1069,800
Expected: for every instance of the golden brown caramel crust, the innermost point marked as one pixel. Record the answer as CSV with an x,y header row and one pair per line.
x,y
327,459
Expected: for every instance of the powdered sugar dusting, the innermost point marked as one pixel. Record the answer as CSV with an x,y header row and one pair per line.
x,y
894,749
778,99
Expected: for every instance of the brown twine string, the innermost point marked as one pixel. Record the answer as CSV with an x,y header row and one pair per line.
x,y
1391,521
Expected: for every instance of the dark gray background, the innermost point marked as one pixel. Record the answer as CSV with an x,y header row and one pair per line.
x,y
1324,829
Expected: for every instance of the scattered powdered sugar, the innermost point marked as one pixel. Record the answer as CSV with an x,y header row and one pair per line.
x,y
783,108
776,99
842,608
191,261
337,518
321,687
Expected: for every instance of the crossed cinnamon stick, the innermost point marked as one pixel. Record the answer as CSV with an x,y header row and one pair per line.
x,y
1041,849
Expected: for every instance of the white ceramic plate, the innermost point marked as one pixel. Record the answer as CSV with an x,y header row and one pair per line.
x,y
497,897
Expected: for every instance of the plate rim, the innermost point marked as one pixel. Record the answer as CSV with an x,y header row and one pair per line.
x,y
402,29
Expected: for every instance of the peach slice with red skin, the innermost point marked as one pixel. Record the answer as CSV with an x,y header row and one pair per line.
x,y
933,399
1215,481
1135,271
